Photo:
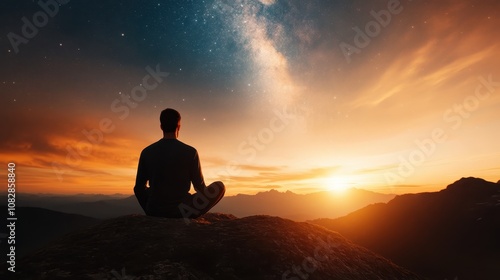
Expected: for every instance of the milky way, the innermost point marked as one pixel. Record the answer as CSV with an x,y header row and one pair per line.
x,y
291,94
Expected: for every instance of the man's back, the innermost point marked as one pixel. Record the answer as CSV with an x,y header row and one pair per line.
x,y
170,166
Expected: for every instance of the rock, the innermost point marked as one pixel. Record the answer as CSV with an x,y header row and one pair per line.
x,y
215,246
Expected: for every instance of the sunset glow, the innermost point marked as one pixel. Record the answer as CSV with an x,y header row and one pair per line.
x,y
338,184
266,94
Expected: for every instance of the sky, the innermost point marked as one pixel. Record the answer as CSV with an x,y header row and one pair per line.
x,y
390,96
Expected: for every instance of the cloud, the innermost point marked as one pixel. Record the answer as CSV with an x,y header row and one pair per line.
x,y
275,176
34,132
259,168
52,147
378,169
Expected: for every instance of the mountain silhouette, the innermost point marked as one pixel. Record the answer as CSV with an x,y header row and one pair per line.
x,y
95,206
450,234
298,207
36,227
214,246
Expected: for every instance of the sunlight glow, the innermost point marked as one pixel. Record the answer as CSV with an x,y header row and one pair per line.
x,y
338,184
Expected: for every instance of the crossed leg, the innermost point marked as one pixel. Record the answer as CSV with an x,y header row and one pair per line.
x,y
200,203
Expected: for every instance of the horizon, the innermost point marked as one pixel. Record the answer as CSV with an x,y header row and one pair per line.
x,y
389,96
337,192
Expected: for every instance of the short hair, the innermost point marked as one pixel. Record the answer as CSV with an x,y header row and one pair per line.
x,y
169,120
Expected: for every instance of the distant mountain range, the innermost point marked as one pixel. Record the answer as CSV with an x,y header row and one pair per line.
x,y
450,234
299,207
95,206
215,246
36,227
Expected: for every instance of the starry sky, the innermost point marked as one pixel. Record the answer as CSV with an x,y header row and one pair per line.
x,y
391,96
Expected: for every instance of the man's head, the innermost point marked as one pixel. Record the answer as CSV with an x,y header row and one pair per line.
x,y
170,120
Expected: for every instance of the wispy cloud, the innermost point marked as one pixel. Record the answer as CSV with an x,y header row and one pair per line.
x,y
282,176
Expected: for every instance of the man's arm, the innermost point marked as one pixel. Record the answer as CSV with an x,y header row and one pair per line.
x,y
197,175
140,182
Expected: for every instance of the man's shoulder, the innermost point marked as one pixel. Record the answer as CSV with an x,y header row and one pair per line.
x,y
186,146
152,146
174,143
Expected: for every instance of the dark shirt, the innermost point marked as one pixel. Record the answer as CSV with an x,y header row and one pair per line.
x,y
170,167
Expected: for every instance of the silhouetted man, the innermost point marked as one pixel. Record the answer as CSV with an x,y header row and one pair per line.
x,y
170,167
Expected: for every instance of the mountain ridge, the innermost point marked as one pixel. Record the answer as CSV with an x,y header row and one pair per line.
x,y
47,224
446,234
299,207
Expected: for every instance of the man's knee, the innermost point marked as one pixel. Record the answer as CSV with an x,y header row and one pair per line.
x,y
215,190
221,187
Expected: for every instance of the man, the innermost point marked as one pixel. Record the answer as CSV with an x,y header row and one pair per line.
x,y
169,167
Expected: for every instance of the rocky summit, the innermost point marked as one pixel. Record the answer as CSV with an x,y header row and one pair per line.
x,y
215,246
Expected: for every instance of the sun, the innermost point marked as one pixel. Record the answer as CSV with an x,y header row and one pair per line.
x,y
337,184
